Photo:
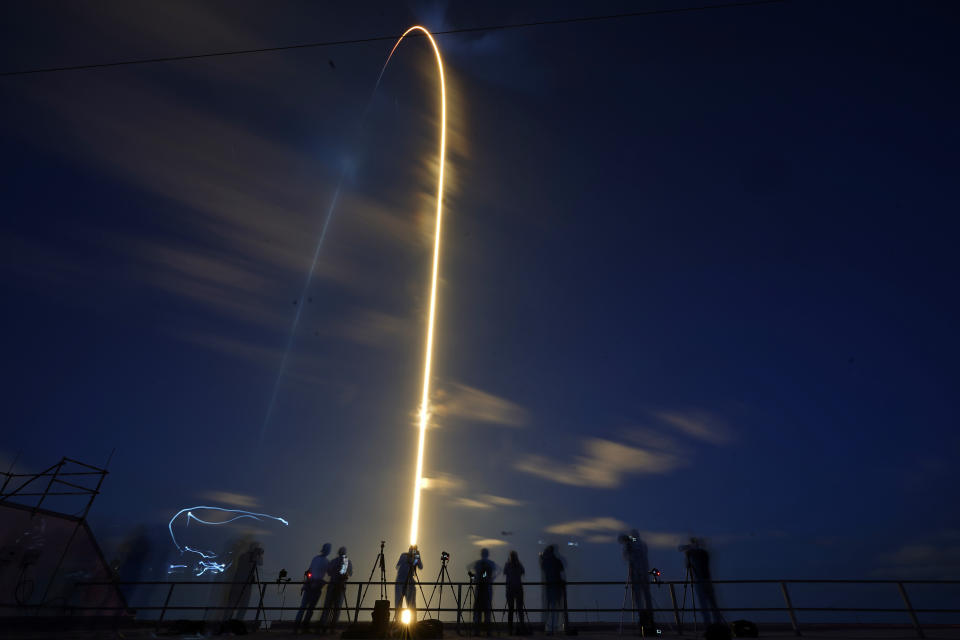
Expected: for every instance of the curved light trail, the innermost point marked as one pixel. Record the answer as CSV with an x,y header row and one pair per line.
x,y
206,562
425,398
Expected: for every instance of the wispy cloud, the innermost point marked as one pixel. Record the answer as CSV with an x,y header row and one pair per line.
x,y
470,503
232,499
486,501
603,464
464,402
502,501
601,538
663,540
936,556
487,542
368,327
605,530
700,425
442,483
589,526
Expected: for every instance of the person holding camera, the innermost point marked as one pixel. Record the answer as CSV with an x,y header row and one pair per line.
x,y
482,572
551,566
314,579
339,571
638,573
513,576
406,586
698,570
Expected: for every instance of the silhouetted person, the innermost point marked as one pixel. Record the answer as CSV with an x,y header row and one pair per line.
x,y
313,582
339,570
244,577
553,575
406,586
698,565
131,562
483,572
513,576
638,573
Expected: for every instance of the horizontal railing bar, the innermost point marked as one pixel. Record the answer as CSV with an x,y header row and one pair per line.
x,y
454,609
618,583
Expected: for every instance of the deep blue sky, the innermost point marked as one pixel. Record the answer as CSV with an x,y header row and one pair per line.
x,y
699,277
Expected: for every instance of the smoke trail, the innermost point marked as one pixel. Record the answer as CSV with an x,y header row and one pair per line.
x,y
316,255
296,316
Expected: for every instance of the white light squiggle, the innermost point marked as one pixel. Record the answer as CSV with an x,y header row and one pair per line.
x,y
206,563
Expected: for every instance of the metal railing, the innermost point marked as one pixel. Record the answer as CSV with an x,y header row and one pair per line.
x,y
463,600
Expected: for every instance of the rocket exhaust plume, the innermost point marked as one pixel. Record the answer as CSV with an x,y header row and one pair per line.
x,y
424,413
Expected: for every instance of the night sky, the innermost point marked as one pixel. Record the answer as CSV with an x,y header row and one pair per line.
x,y
699,277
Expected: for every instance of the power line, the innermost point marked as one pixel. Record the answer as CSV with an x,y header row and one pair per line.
x,y
333,43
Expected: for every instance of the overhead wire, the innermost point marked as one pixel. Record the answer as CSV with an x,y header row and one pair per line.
x,y
448,32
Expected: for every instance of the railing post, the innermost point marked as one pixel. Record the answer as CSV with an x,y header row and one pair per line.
x,y
356,610
163,612
793,615
913,614
676,611
256,619
459,605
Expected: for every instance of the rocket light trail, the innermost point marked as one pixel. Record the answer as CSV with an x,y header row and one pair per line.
x,y
206,562
424,400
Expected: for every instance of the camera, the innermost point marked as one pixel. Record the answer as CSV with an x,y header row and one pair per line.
x,y
283,576
444,556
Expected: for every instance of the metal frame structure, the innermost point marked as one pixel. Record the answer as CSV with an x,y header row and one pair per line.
x,y
56,486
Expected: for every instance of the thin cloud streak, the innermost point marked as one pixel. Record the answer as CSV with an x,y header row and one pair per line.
x,y
463,402
604,466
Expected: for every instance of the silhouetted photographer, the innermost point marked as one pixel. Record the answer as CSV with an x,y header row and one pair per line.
x,y
698,572
406,587
638,575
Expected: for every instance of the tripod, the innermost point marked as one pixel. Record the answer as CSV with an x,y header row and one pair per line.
x,y
688,582
442,578
468,604
379,562
643,621
253,577
282,581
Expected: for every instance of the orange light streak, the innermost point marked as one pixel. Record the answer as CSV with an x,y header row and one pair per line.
x,y
425,398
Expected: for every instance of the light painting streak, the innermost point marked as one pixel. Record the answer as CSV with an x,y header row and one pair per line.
x,y
206,562
424,400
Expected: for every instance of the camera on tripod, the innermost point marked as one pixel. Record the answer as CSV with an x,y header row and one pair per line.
x,y
656,575
283,576
444,556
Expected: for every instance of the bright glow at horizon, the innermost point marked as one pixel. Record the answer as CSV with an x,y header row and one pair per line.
x,y
424,400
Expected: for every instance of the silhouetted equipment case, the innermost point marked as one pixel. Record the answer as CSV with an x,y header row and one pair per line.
x,y
744,629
